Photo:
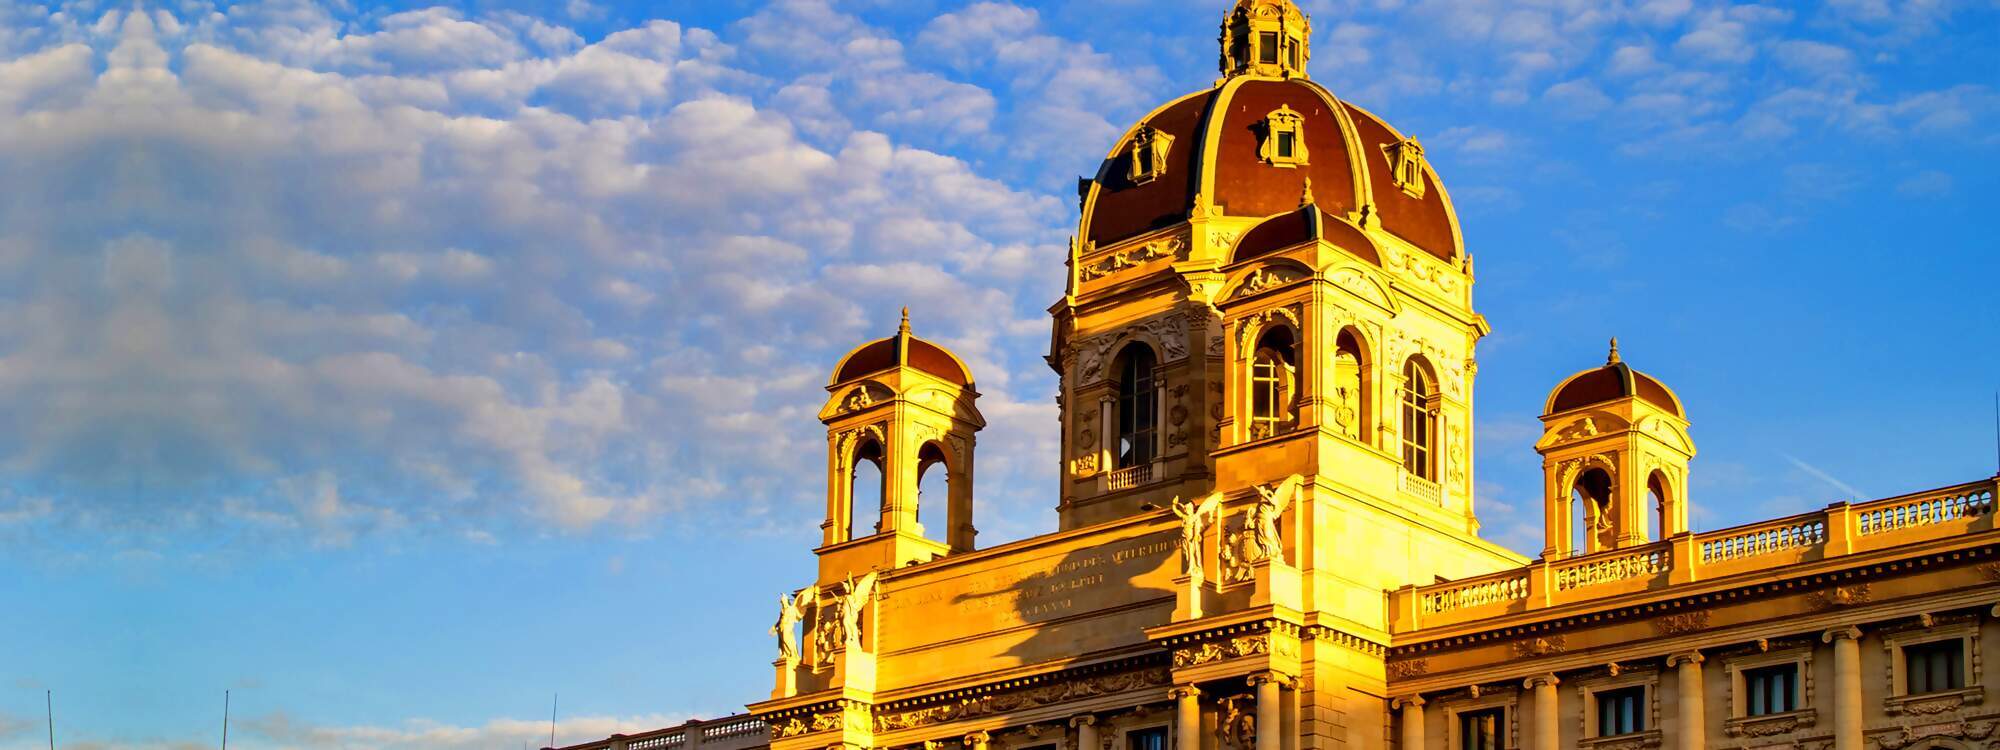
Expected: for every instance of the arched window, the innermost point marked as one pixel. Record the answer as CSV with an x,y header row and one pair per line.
x,y
867,486
1274,384
1350,388
1419,421
933,490
1138,407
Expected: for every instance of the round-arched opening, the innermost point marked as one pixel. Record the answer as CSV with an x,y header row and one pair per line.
x,y
1591,497
1274,383
1352,412
1138,409
1657,524
866,487
933,491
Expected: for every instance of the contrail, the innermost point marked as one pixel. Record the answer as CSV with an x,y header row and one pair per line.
x,y
1852,493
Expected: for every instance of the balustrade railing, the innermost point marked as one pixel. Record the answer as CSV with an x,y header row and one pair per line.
x,y
1129,477
1754,548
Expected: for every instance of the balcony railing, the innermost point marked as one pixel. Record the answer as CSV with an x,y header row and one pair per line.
x,y
1128,477
740,731
1422,488
1841,529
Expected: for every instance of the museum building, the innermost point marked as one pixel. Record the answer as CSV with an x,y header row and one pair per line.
x,y
1268,537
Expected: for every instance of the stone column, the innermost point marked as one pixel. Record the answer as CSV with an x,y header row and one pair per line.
x,y
1846,687
1548,723
1289,717
1269,728
1086,732
1412,708
1187,717
1692,731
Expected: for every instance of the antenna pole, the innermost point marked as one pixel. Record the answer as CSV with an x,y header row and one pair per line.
x,y
49,701
554,701
225,720
1996,433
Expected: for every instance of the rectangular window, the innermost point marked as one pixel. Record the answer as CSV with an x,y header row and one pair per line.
x,y
1288,145
1480,730
1150,738
1267,48
1295,57
1620,711
1934,667
1770,690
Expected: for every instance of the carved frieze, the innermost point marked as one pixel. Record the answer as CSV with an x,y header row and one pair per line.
x,y
1044,694
1681,622
1218,650
1403,670
1159,249
1529,647
1838,596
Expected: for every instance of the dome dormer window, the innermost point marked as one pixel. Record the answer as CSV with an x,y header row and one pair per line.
x,y
1284,138
1406,160
1149,154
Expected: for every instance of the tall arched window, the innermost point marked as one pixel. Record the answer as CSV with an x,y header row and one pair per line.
x,y
866,486
1274,384
1419,422
1350,387
1138,407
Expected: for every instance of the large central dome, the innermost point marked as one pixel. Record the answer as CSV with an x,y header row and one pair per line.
x,y
1252,145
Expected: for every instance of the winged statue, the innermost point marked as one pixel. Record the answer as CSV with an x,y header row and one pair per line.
x,y
1271,505
858,594
1195,518
791,609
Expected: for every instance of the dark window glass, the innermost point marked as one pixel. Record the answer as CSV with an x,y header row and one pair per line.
x,y
1480,730
1770,690
1934,667
1267,48
1287,145
1154,738
1138,407
1295,56
1619,711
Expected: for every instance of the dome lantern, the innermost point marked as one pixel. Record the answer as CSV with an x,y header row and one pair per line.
x,y
1266,38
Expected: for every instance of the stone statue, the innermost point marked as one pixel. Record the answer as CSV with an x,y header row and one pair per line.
x,y
1263,521
790,610
826,633
854,599
1195,517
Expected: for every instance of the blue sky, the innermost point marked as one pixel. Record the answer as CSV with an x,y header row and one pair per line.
x,y
395,366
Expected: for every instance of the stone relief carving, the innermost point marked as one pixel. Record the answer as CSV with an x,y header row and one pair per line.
x,y
1177,416
1267,278
1249,325
1554,644
1838,596
1681,622
1402,670
1210,651
1166,247
1196,517
1013,700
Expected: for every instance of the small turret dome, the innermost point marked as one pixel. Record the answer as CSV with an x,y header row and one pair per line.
x,y
1615,380
902,349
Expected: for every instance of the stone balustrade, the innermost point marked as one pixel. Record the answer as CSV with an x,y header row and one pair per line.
x,y
1841,529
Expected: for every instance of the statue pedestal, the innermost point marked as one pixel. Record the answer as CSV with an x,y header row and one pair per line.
x,y
1190,598
788,678
1276,583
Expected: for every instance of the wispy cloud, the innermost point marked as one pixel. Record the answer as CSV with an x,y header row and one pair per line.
x,y
1846,490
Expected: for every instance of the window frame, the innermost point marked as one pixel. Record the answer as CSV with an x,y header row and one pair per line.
x,y
1284,412
1507,702
1139,408
1280,121
1966,631
1647,678
1165,728
1803,713
1429,408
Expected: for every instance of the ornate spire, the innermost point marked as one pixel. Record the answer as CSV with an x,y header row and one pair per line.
x,y
1306,199
904,329
1613,358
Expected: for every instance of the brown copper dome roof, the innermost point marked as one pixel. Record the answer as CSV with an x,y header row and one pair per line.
x,y
1216,138
1613,381
883,354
